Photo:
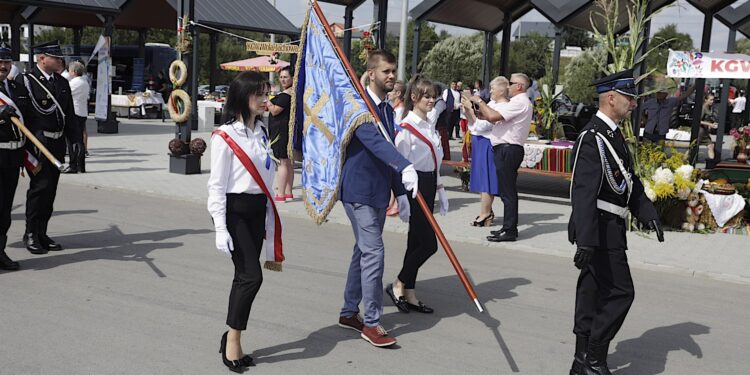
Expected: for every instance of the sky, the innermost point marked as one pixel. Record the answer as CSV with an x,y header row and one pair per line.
x,y
687,18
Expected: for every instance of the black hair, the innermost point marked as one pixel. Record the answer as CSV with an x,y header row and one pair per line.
x,y
242,87
287,69
419,86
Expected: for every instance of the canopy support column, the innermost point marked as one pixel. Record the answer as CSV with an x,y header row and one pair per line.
x,y
415,47
505,47
700,84
489,47
213,42
724,103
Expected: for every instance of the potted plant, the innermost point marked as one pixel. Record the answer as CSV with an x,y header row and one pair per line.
x,y
741,138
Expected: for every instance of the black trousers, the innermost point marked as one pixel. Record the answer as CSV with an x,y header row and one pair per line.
x,y
74,138
603,296
40,198
508,158
421,243
8,184
246,223
455,123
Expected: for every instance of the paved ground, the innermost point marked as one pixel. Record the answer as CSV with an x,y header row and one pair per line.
x,y
140,290
136,160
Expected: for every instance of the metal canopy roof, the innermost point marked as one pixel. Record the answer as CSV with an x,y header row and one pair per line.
x,y
559,10
737,17
229,14
65,13
483,15
706,6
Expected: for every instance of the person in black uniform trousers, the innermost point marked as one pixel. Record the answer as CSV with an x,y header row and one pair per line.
x,y
13,100
604,189
51,105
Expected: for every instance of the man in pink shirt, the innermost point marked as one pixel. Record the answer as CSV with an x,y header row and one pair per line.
x,y
512,123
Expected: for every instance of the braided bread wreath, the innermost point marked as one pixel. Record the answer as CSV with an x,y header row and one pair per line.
x,y
179,106
178,66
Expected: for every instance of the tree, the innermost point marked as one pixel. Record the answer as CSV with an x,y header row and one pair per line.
x,y
428,38
579,73
530,55
454,58
667,38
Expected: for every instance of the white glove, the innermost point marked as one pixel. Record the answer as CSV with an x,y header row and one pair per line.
x,y
404,211
443,198
224,242
410,180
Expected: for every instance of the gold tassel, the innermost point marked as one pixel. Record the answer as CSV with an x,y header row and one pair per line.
x,y
272,266
293,106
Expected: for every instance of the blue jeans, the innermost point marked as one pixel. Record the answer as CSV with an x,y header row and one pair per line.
x,y
364,283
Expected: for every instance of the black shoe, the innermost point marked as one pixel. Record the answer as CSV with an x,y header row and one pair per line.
x,y
504,237
49,243
7,263
582,343
33,245
595,362
233,366
498,232
247,361
420,307
400,302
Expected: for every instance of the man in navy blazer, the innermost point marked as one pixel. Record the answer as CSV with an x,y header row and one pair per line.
x,y
373,167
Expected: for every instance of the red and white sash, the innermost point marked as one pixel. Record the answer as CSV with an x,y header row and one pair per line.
x,y
274,251
421,137
5,100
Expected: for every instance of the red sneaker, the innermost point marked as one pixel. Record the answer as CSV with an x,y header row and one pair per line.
x,y
289,197
377,336
279,199
352,322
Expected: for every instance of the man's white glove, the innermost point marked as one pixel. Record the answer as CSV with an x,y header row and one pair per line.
x,y
443,198
224,242
404,211
410,180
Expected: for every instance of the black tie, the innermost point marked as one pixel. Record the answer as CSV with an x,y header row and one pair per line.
x,y
3,90
384,113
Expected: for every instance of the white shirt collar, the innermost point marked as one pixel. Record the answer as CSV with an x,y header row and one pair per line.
x,y
240,128
46,76
374,97
606,120
415,120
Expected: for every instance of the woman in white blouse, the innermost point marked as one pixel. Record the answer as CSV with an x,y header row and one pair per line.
x,y
238,205
483,178
418,141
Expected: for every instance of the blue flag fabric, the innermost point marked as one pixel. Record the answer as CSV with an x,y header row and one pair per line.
x,y
328,109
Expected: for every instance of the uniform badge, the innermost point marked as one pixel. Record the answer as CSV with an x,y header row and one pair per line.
x,y
610,133
44,101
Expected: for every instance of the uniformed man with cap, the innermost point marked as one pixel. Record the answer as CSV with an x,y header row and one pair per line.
x,y
50,108
13,100
604,190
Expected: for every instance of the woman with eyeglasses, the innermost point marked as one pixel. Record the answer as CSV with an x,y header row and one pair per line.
x,y
239,203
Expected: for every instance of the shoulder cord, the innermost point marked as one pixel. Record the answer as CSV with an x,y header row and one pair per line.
x,y
55,107
628,179
575,162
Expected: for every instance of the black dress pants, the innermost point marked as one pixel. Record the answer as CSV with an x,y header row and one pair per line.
x,y
74,137
40,198
421,243
508,158
246,224
8,184
603,296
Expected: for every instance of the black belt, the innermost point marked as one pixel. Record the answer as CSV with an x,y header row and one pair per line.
x,y
502,145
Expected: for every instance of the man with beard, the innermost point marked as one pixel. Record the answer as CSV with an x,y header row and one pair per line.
x,y
603,191
51,107
373,167
13,100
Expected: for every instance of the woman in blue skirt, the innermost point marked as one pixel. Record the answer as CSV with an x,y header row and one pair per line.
x,y
483,178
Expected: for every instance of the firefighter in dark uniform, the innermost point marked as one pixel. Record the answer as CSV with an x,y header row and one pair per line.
x,y
604,190
13,100
50,107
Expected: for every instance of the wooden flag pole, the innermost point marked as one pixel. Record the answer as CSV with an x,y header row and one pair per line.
x,y
428,213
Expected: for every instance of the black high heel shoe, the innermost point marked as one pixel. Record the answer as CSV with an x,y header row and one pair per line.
x,y
483,222
234,366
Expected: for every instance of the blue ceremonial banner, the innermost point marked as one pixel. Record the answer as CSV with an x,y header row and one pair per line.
x,y
328,109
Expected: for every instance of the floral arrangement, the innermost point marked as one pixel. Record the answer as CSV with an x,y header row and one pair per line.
x,y
741,135
368,44
665,176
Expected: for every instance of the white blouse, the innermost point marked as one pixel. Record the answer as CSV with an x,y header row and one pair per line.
x,y
229,176
416,150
